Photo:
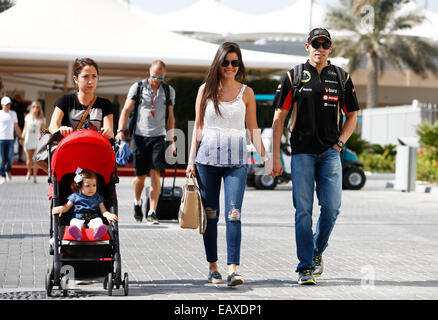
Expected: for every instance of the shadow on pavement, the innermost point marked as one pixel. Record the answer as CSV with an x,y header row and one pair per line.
x,y
333,282
189,286
24,235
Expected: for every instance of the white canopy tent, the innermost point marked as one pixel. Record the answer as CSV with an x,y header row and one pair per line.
x,y
296,20
204,16
44,36
107,30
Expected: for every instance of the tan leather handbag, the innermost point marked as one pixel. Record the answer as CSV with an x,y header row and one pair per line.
x,y
191,211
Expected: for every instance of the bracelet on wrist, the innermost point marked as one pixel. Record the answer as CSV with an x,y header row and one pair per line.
x,y
191,163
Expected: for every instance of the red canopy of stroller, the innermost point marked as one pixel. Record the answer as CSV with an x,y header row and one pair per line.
x,y
86,149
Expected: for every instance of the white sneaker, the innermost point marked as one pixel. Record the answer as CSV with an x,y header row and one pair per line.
x,y
8,177
2,180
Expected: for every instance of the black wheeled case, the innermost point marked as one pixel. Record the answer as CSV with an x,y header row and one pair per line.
x,y
169,201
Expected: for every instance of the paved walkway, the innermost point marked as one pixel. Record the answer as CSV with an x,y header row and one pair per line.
x,y
384,246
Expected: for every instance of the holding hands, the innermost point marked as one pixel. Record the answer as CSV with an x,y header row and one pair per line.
x,y
276,167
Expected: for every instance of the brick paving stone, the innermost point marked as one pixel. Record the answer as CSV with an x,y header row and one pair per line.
x,y
382,247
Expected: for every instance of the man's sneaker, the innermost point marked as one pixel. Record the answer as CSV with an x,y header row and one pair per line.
x,y
2,180
305,276
234,279
152,218
319,266
8,176
215,277
138,213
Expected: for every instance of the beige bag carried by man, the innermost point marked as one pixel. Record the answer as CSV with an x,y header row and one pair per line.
x,y
191,211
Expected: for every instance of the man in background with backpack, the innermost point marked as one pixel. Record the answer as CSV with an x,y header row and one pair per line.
x,y
318,95
151,102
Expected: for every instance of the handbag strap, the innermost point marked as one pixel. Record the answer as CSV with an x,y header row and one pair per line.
x,y
190,177
86,113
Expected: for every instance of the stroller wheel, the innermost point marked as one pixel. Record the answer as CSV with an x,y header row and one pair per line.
x,y
125,284
49,282
110,284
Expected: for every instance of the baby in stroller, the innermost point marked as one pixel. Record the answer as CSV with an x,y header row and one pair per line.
x,y
93,203
88,205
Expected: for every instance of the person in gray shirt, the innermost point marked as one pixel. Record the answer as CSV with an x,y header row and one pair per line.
x,y
149,134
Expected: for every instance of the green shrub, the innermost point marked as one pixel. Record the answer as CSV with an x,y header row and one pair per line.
x,y
427,164
356,143
427,160
388,150
428,134
375,162
378,158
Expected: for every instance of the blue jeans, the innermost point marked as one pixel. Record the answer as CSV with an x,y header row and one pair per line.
x,y
325,170
6,156
209,180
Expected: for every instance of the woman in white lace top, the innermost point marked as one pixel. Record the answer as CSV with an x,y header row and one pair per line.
x,y
218,152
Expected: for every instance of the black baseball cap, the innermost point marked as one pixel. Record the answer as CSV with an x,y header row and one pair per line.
x,y
317,33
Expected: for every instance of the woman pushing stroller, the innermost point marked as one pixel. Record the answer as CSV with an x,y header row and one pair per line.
x,y
88,206
70,108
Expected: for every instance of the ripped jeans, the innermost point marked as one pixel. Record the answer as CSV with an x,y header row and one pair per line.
x,y
209,180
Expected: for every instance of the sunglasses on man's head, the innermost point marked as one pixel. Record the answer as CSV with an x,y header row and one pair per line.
x,y
158,77
325,45
234,63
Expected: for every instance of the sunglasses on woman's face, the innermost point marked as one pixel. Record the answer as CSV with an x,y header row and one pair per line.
x,y
158,77
325,45
234,63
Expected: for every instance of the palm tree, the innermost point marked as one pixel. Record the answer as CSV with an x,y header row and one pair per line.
x,y
5,4
378,40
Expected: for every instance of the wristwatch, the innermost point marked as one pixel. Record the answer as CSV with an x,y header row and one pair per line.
x,y
340,144
120,130
265,158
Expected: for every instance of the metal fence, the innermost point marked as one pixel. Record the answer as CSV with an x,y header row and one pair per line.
x,y
385,125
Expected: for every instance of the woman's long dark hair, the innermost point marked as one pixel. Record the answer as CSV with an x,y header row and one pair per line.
x,y
213,76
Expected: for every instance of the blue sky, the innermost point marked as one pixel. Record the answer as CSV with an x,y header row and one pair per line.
x,y
247,6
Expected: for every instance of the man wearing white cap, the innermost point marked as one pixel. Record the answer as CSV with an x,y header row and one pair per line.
x,y
8,123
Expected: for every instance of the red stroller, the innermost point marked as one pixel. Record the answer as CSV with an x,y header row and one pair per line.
x,y
87,259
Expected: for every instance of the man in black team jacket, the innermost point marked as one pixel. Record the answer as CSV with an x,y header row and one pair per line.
x,y
318,96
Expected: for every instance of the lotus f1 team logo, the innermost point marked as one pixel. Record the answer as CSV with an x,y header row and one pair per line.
x,y
305,77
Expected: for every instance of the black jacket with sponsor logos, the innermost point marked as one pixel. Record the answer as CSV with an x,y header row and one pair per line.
x,y
318,110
